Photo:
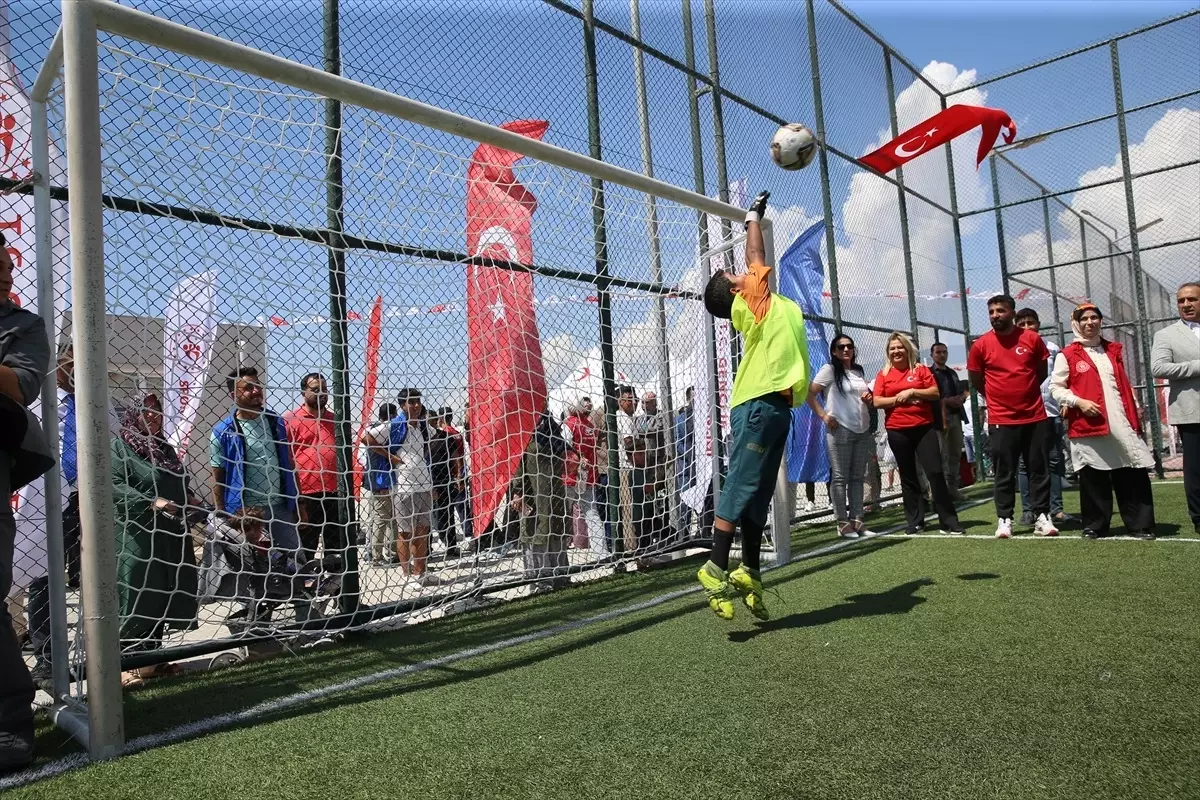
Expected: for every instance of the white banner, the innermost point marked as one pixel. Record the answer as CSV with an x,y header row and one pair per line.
x,y
17,225
188,334
697,364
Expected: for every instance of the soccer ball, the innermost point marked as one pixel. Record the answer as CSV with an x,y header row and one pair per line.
x,y
793,146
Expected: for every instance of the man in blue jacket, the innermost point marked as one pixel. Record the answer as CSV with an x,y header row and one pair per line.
x,y
252,461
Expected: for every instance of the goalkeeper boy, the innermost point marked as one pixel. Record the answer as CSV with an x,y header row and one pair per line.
x,y
771,380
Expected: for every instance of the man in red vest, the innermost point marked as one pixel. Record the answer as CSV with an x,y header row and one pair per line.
x,y
1007,365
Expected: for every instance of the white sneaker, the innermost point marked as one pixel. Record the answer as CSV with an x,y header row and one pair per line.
x,y
1043,526
1004,528
809,507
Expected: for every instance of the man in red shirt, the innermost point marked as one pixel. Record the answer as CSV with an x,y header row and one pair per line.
x,y
314,452
1007,366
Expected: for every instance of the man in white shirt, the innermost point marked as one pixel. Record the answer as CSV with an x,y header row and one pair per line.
x,y
1176,357
413,489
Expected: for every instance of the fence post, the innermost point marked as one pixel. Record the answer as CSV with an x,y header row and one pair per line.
x,y
902,199
1050,262
338,327
52,481
823,161
1139,291
1087,273
98,594
604,299
660,303
999,224
963,300
710,335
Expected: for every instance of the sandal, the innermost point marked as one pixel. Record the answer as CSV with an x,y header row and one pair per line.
x,y
861,529
132,680
846,530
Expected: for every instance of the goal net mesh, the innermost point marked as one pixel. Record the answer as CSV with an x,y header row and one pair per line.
x,y
480,459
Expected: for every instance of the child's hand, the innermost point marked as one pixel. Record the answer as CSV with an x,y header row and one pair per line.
x,y
867,396
759,206
831,422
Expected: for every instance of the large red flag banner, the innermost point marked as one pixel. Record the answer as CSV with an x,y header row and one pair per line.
x,y
370,380
506,382
939,129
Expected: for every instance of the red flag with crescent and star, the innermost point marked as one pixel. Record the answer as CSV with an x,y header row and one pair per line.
x,y
506,381
939,129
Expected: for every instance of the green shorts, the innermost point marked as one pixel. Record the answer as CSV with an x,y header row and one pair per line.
x,y
760,433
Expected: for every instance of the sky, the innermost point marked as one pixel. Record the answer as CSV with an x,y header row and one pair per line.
x,y
243,147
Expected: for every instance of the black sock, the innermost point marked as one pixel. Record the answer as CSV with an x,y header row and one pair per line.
x,y
722,542
751,544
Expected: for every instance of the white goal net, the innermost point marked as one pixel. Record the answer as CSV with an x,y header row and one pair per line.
x,y
496,377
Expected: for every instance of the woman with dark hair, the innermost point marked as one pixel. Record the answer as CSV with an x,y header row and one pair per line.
x,y
848,435
906,390
1093,390
156,566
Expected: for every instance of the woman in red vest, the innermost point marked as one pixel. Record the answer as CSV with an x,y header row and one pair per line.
x,y
1091,386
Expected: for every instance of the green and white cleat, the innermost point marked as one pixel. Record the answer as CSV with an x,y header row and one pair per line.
x,y
716,586
747,583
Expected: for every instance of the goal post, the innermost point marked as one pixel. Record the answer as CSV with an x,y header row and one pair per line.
x,y
78,54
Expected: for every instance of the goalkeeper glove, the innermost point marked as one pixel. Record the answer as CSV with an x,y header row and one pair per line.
x,y
757,208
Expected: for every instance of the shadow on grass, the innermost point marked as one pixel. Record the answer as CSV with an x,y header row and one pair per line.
x,y
978,576
192,698
899,600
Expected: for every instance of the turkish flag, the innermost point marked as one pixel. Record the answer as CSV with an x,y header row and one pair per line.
x,y
939,129
370,380
506,382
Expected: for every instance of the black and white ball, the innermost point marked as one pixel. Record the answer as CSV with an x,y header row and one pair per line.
x,y
793,146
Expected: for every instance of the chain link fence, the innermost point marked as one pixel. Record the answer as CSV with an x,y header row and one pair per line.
x,y
1101,200
334,246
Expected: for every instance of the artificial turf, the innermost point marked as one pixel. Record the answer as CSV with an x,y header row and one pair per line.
x,y
893,668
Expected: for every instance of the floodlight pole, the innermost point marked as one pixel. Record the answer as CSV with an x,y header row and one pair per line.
x,y
963,300
603,297
712,375
1139,288
98,593
902,200
656,273
1050,260
835,296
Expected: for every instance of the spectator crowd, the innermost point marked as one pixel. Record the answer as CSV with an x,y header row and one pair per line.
x,y
280,496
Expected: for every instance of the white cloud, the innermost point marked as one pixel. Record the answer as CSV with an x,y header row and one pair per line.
x,y
1173,196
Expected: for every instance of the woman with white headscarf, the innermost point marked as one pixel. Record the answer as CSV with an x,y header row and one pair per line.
x,y
1092,387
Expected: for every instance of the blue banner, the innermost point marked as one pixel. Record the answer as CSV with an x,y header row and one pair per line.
x,y
802,279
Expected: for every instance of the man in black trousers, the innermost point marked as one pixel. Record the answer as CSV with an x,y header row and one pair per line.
x,y
24,360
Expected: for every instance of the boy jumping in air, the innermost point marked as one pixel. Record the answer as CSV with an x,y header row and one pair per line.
x,y
771,380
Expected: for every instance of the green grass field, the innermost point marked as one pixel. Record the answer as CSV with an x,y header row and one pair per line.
x,y
897,667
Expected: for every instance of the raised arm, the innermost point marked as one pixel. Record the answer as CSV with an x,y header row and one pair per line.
x,y
756,251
